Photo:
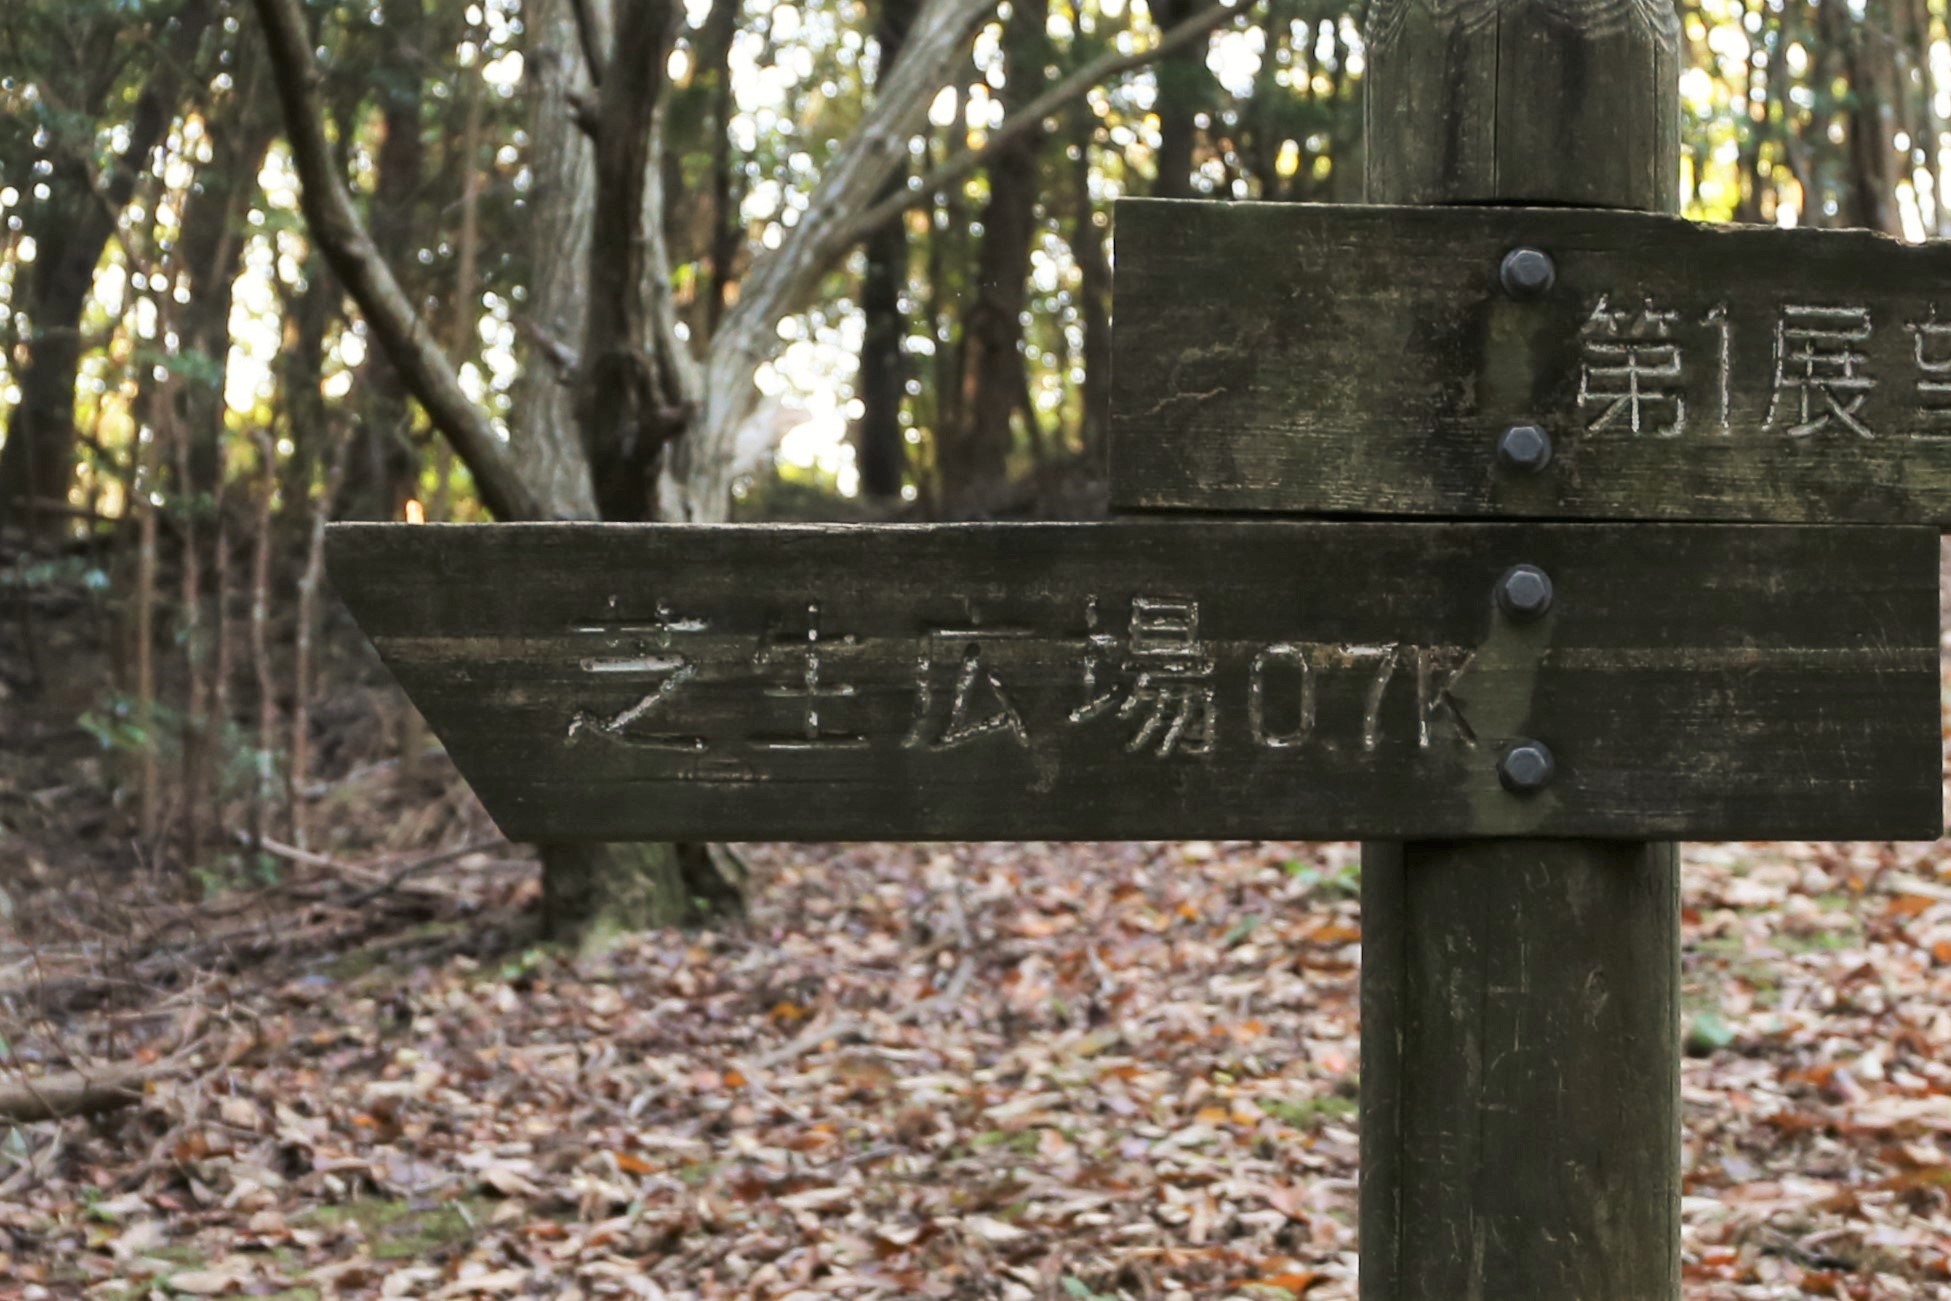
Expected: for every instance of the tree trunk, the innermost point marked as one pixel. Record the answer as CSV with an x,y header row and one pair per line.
x,y
561,211
947,270
309,317
975,460
727,232
590,892
381,464
880,443
1873,157
1182,82
1931,122
1094,307
37,461
212,255
625,393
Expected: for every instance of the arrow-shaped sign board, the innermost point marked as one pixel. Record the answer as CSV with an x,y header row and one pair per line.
x,y
1159,678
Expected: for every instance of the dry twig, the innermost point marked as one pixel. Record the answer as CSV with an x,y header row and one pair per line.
x,y
28,1099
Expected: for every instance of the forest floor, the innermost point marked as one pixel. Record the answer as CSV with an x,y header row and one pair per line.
x,y
1065,1071
1077,1072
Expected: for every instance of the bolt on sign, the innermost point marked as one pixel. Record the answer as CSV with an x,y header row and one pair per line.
x,y
1152,677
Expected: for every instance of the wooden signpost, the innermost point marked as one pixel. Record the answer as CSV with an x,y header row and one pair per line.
x,y
1520,1108
1634,607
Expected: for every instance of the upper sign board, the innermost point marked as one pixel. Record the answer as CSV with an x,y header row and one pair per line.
x,y
1366,360
1167,678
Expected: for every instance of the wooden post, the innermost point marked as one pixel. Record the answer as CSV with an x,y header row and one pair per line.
x,y
1520,1009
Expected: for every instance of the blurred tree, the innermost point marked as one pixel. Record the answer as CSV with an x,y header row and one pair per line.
x,y
974,458
880,442
98,77
384,463
608,252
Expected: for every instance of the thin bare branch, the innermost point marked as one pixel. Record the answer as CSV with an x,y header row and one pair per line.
x,y
70,1093
299,762
845,207
335,224
29,1099
781,278
1052,102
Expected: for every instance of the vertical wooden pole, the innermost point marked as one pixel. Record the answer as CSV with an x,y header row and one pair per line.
x,y
1520,999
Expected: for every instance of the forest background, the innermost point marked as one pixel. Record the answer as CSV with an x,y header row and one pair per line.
x,y
270,263
558,260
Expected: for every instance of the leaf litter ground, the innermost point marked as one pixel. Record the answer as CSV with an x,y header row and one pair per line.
x,y
1065,1071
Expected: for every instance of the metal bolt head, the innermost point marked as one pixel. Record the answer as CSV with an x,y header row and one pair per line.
x,y
1525,448
1527,273
1526,767
1524,592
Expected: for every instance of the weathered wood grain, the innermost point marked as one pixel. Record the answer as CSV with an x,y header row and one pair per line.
x,y
1505,101
1365,360
1099,681
1520,1016
1520,1116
